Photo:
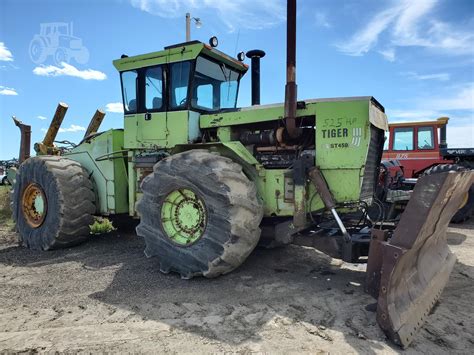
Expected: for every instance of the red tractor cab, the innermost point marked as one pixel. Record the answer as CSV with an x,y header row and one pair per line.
x,y
413,149
417,145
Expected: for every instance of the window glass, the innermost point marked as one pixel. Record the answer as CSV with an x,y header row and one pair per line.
x,y
387,139
129,91
403,139
154,88
204,97
229,94
221,84
425,138
179,84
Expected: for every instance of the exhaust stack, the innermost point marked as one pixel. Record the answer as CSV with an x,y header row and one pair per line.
x,y
290,88
442,133
255,56
25,140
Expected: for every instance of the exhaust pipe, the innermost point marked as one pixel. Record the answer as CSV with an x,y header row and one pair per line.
x,y
255,56
290,88
25,140
442,133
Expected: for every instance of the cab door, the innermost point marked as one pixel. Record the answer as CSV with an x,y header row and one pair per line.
x,y
151,122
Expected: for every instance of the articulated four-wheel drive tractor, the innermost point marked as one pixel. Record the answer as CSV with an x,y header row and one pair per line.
x,y
209,181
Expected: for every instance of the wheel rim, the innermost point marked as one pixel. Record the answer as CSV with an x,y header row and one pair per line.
x,y
34,205
183,217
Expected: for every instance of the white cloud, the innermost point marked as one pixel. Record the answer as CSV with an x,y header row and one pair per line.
x,y
250,14
388,54
69,70
71,128
451,103
366,38
5,54
437,76
406,24
116,107
7,91
405,31
462,98
320,20
42,117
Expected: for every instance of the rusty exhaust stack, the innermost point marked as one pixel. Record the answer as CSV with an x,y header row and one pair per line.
x,y
25,140
290,88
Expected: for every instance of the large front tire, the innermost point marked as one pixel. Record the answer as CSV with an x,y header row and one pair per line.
x,y
200,214
53,203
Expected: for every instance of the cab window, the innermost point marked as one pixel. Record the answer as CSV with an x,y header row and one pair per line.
x,y
204,96
154,88
403,138
425,138
129,91
215,85
179,84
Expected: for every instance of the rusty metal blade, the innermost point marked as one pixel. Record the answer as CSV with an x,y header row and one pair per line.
x,y
410,270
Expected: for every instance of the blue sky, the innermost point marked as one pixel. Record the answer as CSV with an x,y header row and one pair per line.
x,y
415,57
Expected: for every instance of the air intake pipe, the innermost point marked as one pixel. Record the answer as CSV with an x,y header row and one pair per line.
x,y
255,56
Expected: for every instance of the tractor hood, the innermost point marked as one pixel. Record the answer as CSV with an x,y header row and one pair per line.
x,y
261,113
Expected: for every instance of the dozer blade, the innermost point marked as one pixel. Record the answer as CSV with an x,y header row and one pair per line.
x,y
408,272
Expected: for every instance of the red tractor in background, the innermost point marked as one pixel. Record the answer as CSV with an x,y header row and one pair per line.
x,y
414,149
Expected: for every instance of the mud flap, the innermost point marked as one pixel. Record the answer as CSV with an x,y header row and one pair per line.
x,y
407,272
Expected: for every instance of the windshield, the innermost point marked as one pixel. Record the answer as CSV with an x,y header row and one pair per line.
x,y
215,86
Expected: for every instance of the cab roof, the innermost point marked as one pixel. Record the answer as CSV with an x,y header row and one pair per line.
x,y
177,53
439,122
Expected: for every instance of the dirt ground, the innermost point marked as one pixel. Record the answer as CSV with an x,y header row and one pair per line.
x,y
106,296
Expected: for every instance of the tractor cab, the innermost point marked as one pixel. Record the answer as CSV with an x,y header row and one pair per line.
x,y
172,88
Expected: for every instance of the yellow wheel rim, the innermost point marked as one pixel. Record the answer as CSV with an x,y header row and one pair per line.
x,y
34,205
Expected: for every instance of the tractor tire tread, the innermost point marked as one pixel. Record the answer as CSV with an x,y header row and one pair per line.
x,y
231,199
71,202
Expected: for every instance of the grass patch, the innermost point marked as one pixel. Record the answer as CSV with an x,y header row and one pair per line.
x,y
5,211
101,225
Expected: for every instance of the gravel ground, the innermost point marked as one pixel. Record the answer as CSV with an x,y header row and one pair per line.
x,y
106,296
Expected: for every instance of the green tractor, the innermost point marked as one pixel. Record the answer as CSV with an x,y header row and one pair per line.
x,y
209,181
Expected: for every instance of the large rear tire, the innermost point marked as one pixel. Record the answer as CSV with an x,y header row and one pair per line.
x,y
53,203
200,214
467,207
